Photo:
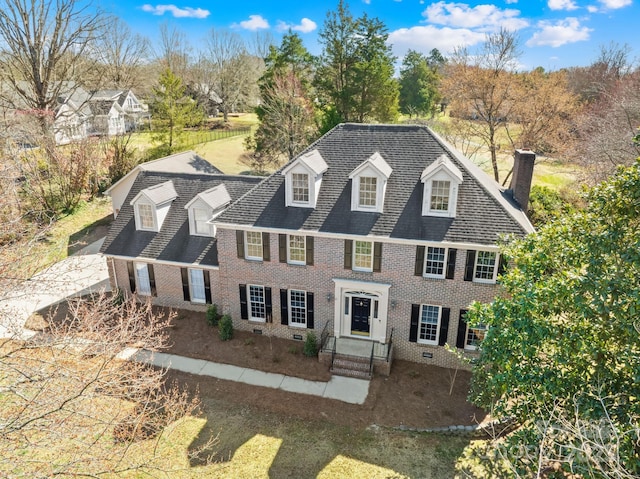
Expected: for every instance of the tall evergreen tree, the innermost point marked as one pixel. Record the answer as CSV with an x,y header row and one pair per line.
x,y
419,93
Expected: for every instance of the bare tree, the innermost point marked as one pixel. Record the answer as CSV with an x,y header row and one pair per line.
x,y
120,54
174,51
73,405
480,88
44,50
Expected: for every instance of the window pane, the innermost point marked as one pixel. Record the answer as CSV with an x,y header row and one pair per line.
x,y
363,256
440,195
298,307
429,322
300,183
142,273
254,244
297,249
434,265
145,213
200,218
256,298
485,265
368,190
475,336
196,282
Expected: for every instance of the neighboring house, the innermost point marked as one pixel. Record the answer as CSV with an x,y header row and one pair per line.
x,y
135,112
377,238
107,118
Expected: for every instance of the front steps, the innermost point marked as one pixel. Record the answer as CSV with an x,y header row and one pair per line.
x,y
351,366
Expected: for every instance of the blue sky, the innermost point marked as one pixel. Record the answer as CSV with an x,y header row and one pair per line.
x,y
553,33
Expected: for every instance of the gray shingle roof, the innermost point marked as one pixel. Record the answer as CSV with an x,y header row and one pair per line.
x,y
173,242
484,211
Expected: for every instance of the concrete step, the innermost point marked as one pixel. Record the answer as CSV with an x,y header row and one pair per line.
x,y
343,363
351,366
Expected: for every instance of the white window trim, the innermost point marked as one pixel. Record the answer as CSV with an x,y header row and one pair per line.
x,y
295,202
426,341
191,288
144,289
246,246
291,323
250,303
193,224
472,347
495,268
289,260
368,269
441,170
154,214
444,266
381,185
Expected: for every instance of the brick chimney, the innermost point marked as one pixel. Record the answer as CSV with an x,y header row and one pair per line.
x,y
522,175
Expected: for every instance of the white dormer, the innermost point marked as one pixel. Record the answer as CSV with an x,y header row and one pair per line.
x,y
152,204
369,183
441,182
303,178
204,207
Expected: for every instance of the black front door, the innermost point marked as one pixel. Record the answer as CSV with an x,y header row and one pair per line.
x,y
360,311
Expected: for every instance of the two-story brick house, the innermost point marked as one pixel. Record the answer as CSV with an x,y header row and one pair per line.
x,y
375,235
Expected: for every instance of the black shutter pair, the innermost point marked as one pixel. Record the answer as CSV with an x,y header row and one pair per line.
x,y
415,323
266,250
132,278
418,269
282,249
244,304
186,293
284,309
471,264
377,255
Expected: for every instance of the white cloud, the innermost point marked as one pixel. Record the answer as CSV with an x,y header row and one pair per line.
x,y
562,5
426,38
486,17
592,9
366,2
559,33
186,12
615,4
510,1
305,26
255,22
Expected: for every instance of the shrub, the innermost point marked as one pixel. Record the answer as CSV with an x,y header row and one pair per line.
x,y
225,328
310,345
212,315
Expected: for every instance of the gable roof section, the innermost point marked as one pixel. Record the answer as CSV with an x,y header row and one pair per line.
x,y
312,160
172,243
216,197
158,194
378,164
484,210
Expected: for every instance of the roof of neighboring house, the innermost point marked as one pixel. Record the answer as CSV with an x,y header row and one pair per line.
x,y
173,242
484,210
102,107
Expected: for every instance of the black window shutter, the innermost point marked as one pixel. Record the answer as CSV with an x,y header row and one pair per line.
x,y
240,243
501,265
244,311
451,263
132,276
284,307
152,280
310,324
348,261
268,305
185,284
444,326
282,248
417,270
377,257
266,248
462,329
207,287
415,319
470,265
309,240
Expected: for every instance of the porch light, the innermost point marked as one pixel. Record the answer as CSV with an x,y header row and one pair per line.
x,y
394,303
329,297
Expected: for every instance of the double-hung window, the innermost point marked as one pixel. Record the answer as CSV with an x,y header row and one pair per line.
x,y
486,266
298,308
257,304
368,189
440,191
196,286
145,216
474,336
300,188
253,244
363,255
429,324
435,262
142,277
200,218
296,249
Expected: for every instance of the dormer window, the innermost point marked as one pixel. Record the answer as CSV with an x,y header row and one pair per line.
x,y
369,182
303,178
441,182
204,207
151,206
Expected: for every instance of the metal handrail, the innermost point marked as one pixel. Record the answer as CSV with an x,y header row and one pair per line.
x,y
324,335
389,344
371,362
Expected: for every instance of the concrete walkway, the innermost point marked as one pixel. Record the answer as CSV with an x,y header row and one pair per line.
x,y
86,272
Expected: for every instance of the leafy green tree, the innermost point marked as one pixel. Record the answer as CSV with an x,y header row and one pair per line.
x,y
418,85
172,110
286,112
355,76
562,352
